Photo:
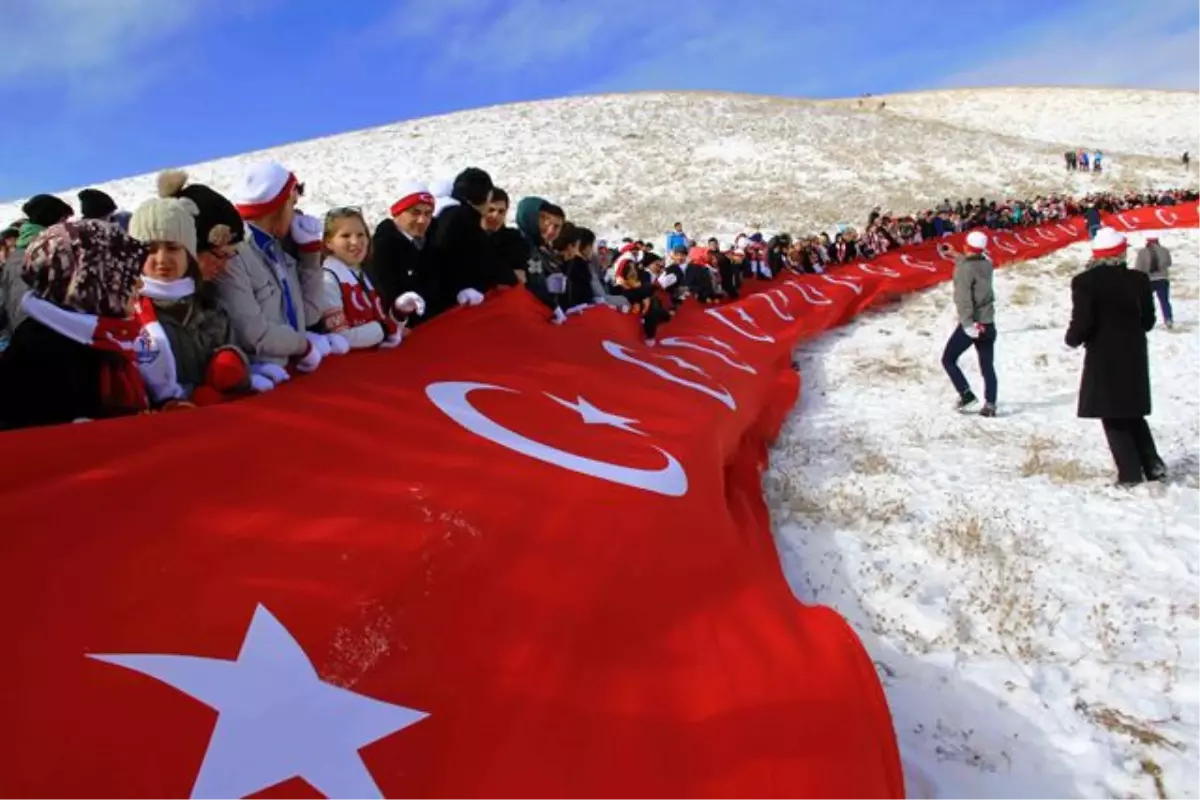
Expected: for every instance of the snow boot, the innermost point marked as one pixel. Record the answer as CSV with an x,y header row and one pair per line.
x,y
988,410
966,401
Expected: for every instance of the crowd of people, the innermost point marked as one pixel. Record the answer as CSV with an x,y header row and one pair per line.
x,y
885,230
197,298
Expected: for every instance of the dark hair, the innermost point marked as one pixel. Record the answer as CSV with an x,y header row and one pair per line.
x,y
472,186
500,196
567,236
553,210
587,237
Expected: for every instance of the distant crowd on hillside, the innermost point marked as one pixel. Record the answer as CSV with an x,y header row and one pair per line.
x,y
197,298
1083,161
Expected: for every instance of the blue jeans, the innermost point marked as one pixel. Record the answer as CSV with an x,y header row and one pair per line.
x,y
1092,230
1162,290
985,348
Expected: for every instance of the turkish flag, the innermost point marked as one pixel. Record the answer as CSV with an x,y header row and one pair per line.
x,y
506,558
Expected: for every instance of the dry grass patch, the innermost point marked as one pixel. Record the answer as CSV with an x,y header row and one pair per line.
x,y
1002,560
1024,294
1123,724
841,505
1040,460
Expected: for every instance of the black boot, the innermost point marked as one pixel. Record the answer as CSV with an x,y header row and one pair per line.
x,y
966,400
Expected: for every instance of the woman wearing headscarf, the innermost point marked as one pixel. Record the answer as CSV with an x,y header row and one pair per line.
x,y
75,354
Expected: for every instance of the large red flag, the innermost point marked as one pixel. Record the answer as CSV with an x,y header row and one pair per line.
x,y
507,559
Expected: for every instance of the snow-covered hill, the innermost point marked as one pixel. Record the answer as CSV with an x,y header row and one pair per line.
x,y
1131,121
634,164
1036,629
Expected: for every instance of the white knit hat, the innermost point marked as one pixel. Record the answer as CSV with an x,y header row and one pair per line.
x,y
262,189
166,219
1108,243
977,241
409,194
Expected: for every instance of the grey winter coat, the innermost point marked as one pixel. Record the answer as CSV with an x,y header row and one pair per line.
x,y
974,297
251,292
12,289
1155,261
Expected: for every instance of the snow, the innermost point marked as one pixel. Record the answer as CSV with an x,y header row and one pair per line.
x,y
1035,628
1132,121
634,164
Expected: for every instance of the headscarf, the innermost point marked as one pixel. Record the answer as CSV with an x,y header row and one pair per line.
x,y
85,265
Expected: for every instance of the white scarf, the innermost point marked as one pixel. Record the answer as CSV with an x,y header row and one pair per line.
x,y
167,290
157,363
344,273
103,333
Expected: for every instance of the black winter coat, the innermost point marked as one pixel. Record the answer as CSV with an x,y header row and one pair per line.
x,y
396,266
1111,312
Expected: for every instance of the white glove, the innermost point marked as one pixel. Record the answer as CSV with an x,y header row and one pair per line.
x,y
559,317
666,280
261,383
310,360
392,341
579,309
973,330
338,345
411,302
318,342
469,297
307,232
272,372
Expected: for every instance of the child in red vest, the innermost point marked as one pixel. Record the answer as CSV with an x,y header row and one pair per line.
x,y
351,305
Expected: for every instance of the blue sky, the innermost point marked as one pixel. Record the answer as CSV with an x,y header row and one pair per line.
x,y
92,90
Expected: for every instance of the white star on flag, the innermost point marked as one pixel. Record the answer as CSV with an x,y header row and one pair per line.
x,y
276,718
594,416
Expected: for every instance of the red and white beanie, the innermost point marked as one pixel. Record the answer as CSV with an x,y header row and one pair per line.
x,y
977,242
411,194
263,189
1108,243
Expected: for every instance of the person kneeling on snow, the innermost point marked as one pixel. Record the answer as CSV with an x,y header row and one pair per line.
x,y
352,307
190,354
260,287
74,354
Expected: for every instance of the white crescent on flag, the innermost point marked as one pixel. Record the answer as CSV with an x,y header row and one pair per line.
x,y
845,281
761,336
909,261
452,398
720,394
871,269
1163,215
807,293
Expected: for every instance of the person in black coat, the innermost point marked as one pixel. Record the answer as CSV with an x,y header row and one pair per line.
x,y
1112,309
400,259
460,248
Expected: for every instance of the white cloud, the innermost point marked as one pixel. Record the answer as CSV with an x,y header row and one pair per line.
x,y
100,49
490,36
1119,44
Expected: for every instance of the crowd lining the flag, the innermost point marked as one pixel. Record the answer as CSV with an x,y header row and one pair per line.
x,y
198,298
